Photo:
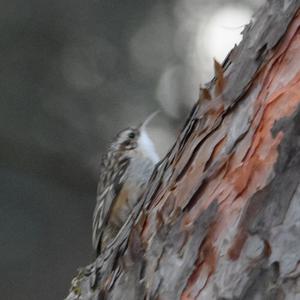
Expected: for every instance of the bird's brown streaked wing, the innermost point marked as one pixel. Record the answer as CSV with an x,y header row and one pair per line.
x,y
107,193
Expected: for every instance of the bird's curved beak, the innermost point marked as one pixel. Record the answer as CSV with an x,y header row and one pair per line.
x,y
148,119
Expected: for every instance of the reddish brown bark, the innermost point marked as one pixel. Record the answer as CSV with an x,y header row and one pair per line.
x,y
221,217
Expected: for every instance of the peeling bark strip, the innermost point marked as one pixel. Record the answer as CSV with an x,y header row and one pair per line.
x,y
221,217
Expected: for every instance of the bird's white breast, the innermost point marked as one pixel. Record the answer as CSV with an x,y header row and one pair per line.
x,y
146,147
140,168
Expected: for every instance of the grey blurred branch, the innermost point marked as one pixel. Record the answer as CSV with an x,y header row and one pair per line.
x,y
193,236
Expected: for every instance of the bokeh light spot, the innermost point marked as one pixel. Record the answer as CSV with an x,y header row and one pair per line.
x,y
224,30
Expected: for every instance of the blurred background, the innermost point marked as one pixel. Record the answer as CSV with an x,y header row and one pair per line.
x,y
73,73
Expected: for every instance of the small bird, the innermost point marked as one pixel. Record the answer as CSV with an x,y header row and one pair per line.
x,y
125,171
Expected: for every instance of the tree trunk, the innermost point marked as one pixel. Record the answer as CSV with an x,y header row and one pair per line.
x,y
221,216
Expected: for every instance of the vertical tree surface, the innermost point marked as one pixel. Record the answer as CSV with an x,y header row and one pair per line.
x,y
221,216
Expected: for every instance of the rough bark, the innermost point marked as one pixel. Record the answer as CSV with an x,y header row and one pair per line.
x,y
221,216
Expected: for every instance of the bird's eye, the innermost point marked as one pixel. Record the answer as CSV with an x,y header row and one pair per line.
x,y
131,135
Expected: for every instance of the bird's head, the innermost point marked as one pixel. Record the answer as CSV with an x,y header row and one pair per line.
x,y
135,140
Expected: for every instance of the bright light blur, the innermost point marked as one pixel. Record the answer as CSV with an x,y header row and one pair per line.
x,y
201,32
223,31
